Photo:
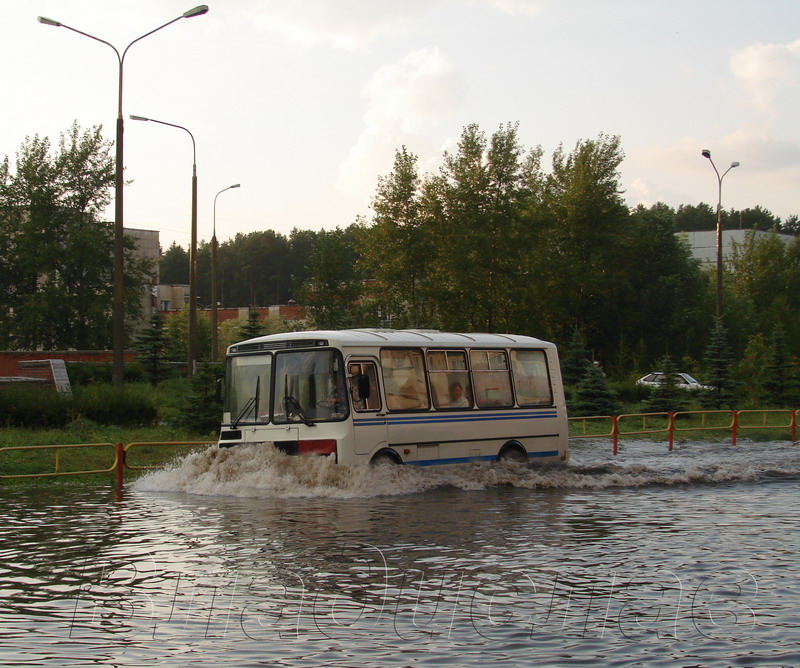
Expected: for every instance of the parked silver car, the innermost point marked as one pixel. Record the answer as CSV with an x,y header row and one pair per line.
x,y
683,381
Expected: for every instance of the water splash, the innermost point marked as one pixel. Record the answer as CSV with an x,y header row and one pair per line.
x,y
263,472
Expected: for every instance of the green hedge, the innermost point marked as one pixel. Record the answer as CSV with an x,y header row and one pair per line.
x,y
37,408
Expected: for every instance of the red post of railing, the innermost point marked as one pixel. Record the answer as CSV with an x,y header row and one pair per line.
x,y
615,431
734,427
120,466
794,426
671,429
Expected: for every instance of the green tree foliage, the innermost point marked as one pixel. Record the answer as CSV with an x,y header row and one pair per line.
x,y
664,299
331,294
201,412
251,328
176,329
57,255
476,210
395,253
791,225
151,344
699,218
173,266
718,362
782,384
752,371
593,396
765,275
492,241
666,396
575,359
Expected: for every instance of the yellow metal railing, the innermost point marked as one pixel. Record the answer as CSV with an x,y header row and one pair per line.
x,y
118,462
669,424
147,444
57,464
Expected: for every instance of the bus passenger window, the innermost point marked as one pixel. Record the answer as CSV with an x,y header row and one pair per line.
x,y
491,377
531,378
404,379
449,378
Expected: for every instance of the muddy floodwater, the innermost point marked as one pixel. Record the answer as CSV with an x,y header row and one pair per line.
x,y
246,557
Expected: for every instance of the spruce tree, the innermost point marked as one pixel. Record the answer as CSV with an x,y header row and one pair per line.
x,y
593,396
718,362
252,328
782,382
201,412
576,360
666,397
151,344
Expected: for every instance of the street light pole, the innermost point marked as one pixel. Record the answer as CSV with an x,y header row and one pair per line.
x,y
707,154
192,348
214,323
119,225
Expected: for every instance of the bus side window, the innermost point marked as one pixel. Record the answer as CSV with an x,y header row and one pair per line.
x,y
531,378
404,379
450,386
491,377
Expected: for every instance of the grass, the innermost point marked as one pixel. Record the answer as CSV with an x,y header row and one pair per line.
x,y
90,448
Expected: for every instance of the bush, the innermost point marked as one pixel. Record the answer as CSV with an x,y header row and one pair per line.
x,y
88,373
35,407
130,406
628,392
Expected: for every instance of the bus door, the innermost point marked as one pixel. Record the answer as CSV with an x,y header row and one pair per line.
x,y
369,413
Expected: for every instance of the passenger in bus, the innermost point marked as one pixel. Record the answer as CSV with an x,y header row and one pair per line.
x,y
457,398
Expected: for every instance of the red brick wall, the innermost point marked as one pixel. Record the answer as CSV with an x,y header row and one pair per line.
x,y
9,361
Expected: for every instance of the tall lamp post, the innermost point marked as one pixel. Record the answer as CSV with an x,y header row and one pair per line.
x,y
707,154
119,226
192,352
214,276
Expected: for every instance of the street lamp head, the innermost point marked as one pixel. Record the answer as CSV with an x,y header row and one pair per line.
x,y
236,185
139,118
706,153
197,11
734,164
48,22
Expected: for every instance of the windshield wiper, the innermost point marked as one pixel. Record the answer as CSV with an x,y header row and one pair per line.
x,y
292,407
251,402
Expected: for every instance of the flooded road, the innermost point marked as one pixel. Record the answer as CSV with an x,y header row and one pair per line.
x,y
245,557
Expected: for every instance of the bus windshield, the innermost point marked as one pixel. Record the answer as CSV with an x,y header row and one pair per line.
x,y
309,387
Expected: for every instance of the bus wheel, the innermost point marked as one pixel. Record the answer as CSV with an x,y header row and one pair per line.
x,y
513,453
384,458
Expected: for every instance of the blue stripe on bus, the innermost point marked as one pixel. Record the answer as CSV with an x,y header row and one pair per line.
x,y
430,418
483,458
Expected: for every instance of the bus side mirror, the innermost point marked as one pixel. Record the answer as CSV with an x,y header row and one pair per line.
x,y
363,386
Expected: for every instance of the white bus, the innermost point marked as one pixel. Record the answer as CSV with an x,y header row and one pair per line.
x,y
405,396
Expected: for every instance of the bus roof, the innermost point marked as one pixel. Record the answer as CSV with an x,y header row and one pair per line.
x,y
347,338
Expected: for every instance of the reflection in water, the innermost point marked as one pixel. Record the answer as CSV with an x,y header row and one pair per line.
x,y
247,557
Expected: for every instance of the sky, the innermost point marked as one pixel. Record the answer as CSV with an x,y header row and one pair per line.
x,y
304,102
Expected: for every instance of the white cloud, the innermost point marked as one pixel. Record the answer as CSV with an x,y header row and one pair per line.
x,y
343,24
403,100
524,8
763,69
355,24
